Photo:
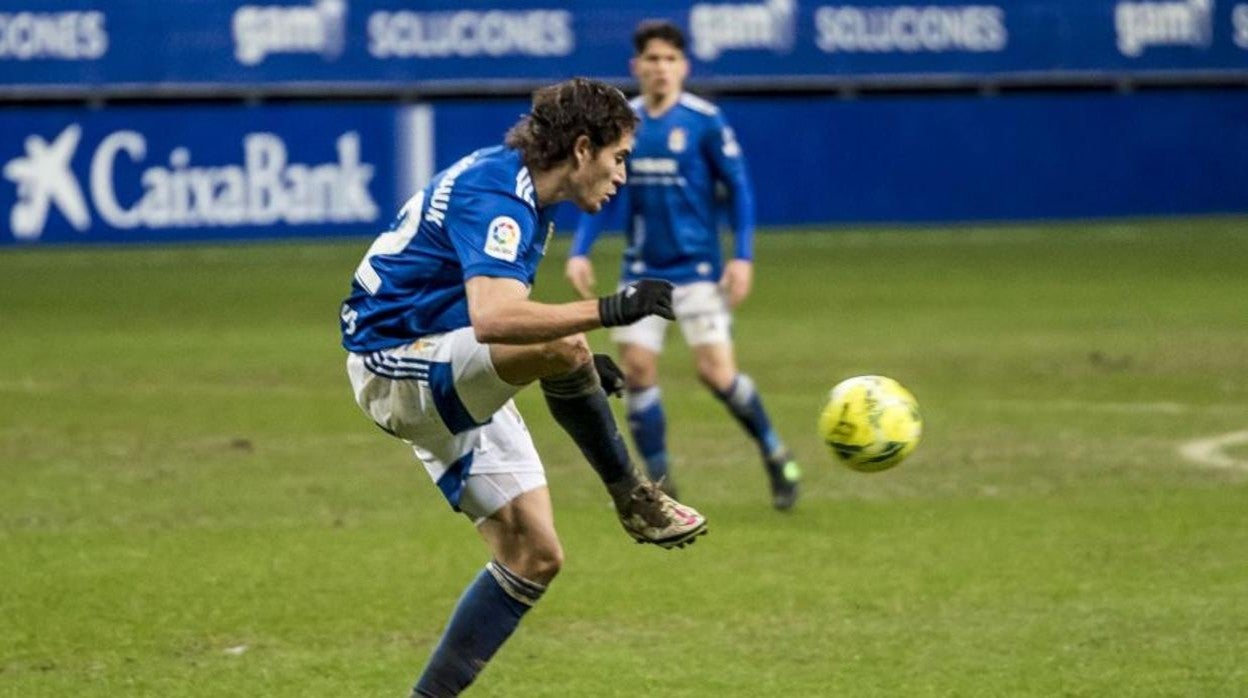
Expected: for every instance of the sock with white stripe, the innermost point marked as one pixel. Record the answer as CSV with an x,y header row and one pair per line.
x,y
743,401
487,614
648,424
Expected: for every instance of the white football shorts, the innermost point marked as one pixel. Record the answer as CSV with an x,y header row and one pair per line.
x,y
442,395
702,311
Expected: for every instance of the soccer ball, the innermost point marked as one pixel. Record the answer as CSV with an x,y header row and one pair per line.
x,y
871,423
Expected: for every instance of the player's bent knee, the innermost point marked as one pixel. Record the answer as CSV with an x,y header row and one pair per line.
x,y
641,367
567,354
716,375
573,375
546,561
640,379
539,561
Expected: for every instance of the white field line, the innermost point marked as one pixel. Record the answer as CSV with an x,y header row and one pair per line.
x,y
1209,451
1206,452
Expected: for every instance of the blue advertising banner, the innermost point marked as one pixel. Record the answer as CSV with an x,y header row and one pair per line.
x,y
934,158
930,158
166,174
56,47
163,173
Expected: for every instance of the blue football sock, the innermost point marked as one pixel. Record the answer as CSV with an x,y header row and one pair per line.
x,y
485,617
649,427
579,405
743,401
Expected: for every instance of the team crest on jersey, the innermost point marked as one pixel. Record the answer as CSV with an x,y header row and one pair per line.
x,y
502,241
677,140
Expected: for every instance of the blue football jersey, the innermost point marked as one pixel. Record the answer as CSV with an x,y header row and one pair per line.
x,y
669,206
478,217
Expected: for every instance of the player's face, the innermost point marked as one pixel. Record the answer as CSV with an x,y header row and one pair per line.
x,y
598,176
660,69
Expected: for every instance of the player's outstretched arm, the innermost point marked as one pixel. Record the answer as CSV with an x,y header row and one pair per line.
x,y
580,273
502,313
737,280
727,162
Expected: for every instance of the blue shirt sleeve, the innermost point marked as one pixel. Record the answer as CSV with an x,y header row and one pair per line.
x,y
591,225
587,229
724,153
492,235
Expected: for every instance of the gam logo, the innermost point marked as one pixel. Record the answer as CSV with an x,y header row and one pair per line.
x,y
265,188
1239,17
263,30
1143,24
716,27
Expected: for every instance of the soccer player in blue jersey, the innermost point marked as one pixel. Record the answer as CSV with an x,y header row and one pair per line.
x,y
684,149
441,333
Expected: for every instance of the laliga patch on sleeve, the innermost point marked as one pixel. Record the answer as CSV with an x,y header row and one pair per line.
x,y
502,240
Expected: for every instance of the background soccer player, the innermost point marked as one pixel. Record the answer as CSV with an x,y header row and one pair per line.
x,y
684,148
441,334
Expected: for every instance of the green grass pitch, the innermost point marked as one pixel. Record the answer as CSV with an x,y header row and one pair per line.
x,y
193,506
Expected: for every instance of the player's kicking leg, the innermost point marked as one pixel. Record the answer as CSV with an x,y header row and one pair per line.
x,y
576,399
717,369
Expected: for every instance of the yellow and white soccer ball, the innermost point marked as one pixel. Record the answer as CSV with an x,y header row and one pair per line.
x,y
871,423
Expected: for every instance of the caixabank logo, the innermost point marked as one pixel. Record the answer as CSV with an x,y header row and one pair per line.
x,y
119,181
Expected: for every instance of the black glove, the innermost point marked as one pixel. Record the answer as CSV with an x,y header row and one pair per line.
x,y
635,301
609,374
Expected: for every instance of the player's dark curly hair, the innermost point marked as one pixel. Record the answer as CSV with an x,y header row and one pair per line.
x,y
660,29
562,113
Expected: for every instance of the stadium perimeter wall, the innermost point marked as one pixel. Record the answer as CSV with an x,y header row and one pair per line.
x,y
177,172
217,119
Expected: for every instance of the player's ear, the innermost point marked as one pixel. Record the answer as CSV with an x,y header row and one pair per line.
x,y
582,150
